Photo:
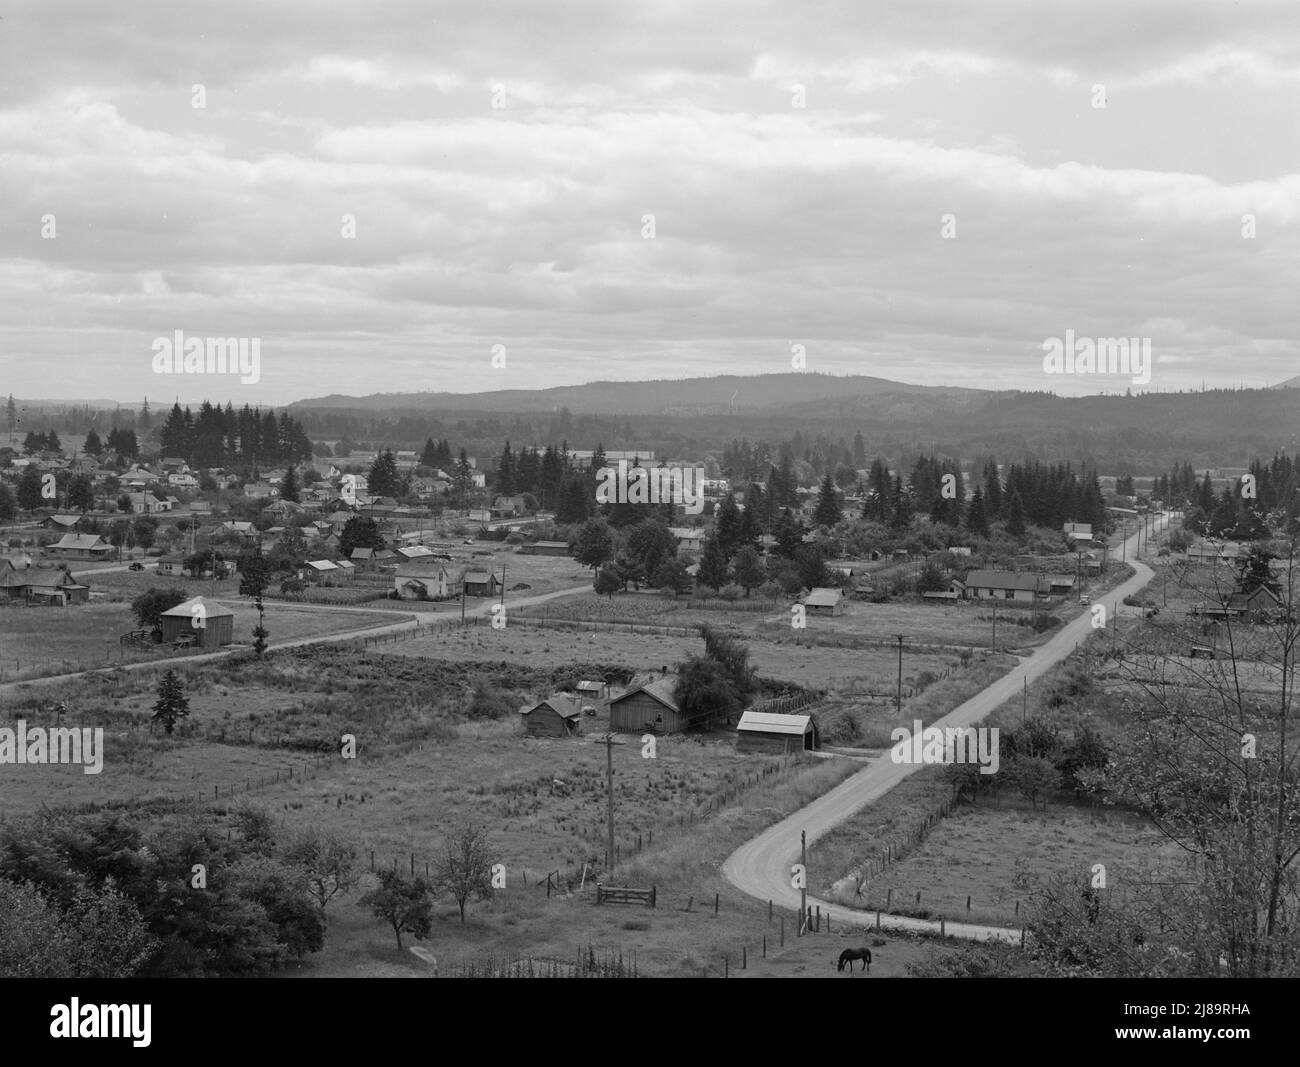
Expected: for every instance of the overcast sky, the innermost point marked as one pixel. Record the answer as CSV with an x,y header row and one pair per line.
x,y
523,225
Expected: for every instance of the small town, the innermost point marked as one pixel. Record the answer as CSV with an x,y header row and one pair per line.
x,y
678,492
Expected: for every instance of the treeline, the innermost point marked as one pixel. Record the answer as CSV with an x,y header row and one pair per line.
x,y
1241,510
221,437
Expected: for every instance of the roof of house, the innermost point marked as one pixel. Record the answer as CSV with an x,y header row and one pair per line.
x,y
1060,579
661,690
211,609
823,598
479,576
321,565
1003,580
65,520
562,703
362,553
346,564
767,722
590,687
73,540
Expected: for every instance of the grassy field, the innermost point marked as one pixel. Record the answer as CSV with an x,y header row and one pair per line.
x,y
38,642
996,854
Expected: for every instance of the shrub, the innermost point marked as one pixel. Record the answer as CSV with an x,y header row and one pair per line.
x,y
731,591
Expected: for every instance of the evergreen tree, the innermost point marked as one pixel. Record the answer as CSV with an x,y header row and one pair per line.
x,y
429,457
713,564
828,511
788,533
81,493
29,489
289,486
506,472
383,479
900,506
52,442
1015,515
463,479
748,567
172,704
977,520
726,526
8,505
93,446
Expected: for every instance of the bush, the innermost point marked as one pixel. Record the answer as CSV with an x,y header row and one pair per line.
x,y
731,591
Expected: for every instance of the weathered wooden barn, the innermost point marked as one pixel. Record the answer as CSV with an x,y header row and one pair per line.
x,y
212,626
40,585
825,602
649,708
761,731
481,583
559,715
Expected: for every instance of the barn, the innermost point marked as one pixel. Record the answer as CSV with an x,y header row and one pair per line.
x,y
218,623
761,731
825,602
559,715
649,708
592,691
481,583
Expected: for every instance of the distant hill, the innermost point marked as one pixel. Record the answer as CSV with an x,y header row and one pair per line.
x,y
686,396
1290,383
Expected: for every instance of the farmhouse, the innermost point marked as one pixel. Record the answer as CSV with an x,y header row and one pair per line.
x,y
761,731
426,582
1211,552
322,571
825,602
1260,604
172,565
558,715
145,503
40,585
80,546
210,623
1005,585
545,548
648,708
689,539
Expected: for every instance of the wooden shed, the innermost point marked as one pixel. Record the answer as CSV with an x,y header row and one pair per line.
x,y
761,731
480,583
559,715
649,708
218,623
825,602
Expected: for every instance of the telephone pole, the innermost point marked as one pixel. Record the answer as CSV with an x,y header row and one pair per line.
x,y
609,743
899,699
803,892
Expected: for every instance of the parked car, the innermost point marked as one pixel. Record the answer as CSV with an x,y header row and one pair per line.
x,y
1085,599
136,566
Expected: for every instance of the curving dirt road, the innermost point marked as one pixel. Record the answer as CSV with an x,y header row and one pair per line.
x,y
761,867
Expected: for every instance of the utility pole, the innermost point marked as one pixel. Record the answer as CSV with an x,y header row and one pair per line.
x,y
1024,701
995,625
609,743
803,892
899,699
503,585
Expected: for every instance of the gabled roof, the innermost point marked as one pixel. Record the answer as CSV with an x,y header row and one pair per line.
x,y
766,722
566,706
81,541
661,690
590,687
479,576
823,598
321,565
1003,580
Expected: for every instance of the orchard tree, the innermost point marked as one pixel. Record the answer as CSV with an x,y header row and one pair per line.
x,y
404,903
465,865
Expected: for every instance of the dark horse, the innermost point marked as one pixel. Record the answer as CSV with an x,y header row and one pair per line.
x,y
851,954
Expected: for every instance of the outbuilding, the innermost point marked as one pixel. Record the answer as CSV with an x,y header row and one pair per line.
x,y
211,624
762,731
649,708
559,715
825,602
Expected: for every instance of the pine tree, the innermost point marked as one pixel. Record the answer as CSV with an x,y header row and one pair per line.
x,y
1015,515
93,445
506,472
463,479
29,489
828,511
429,457
713,565
977,520
172,703
382,479
726,526
289,486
